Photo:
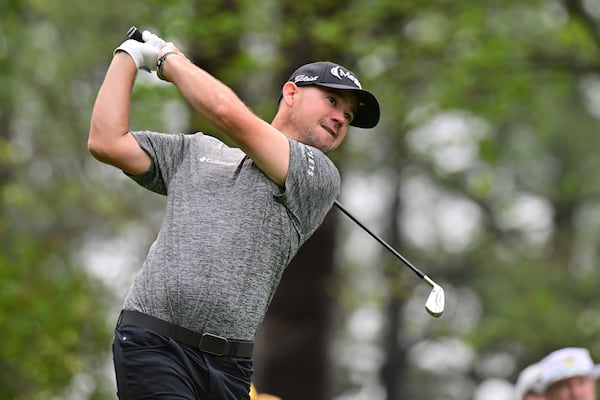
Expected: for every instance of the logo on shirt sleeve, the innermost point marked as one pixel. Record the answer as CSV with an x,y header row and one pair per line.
x,y
310,157
311,162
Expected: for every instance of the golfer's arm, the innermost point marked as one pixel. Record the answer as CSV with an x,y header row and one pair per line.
x,y
109,138
217,103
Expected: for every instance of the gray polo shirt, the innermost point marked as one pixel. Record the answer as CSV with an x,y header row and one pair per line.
x,y
228,231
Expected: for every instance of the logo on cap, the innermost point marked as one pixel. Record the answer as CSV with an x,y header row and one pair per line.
x,y
306,78
339,73
569,362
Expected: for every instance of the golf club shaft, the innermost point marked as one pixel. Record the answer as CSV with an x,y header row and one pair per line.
x,y
383,243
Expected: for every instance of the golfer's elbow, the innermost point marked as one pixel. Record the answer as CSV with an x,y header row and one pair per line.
x,y
96,150
95,144
101,143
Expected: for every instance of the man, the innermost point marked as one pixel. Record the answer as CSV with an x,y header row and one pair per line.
x,y
234,219
528,384
569,374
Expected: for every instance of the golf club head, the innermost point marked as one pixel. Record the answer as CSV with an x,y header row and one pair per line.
x,y
435,302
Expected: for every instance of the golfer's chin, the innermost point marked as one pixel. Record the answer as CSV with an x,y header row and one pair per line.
x,y
326,147
326,143
321,139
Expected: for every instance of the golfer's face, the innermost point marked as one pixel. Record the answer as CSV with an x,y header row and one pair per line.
x,y
327,115
575,388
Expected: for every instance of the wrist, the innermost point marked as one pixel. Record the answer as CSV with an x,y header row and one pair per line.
x,y
131,48
123,57
160,64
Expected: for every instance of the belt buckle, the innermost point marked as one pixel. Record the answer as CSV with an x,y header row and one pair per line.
x,y
213,344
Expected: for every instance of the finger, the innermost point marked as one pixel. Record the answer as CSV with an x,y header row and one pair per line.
x,y
153,39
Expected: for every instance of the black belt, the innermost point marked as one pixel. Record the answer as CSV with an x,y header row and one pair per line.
x,y
206,342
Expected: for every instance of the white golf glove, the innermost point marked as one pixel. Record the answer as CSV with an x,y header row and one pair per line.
x,y
153,40
144,54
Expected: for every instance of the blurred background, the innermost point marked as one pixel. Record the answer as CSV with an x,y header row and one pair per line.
x,y
483,172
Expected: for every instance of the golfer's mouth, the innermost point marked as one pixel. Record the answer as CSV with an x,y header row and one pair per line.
x,y
331,131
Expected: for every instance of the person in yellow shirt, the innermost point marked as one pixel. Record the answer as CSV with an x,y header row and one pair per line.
x,y
254,395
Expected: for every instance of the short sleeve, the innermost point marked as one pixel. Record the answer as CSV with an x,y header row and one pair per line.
x,y
311,186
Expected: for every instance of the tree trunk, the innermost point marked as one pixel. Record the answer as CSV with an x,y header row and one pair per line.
x,y
291,353
393,372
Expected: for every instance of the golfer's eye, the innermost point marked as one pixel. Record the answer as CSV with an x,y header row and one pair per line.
x,y
333,101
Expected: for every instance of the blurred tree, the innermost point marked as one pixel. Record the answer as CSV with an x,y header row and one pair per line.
x,y
49,318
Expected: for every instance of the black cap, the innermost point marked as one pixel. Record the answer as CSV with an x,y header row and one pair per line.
x,y
331,75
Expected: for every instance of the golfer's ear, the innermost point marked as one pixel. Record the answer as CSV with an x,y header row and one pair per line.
x,y
289,92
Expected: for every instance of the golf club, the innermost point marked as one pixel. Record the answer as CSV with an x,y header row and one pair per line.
x,y
435,302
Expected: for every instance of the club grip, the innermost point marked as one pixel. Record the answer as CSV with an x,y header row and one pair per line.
x,y
135,34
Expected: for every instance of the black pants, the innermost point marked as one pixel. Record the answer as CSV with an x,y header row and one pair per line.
x,y
152,366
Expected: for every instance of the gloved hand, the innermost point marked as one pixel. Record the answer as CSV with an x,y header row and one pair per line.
x,y
143,54
153,40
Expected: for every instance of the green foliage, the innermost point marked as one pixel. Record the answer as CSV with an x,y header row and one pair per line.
x,y
51,326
